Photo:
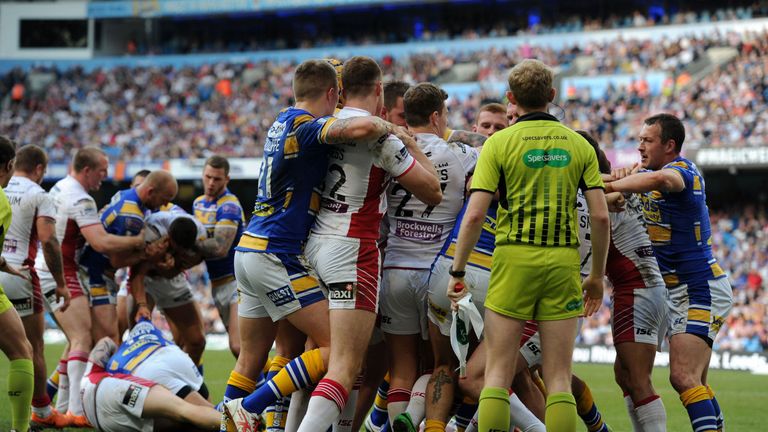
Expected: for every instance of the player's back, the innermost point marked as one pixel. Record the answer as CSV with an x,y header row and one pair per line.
x,y
482,253
75,209
28,201
143,340
679,229
292,170
418,231
358,173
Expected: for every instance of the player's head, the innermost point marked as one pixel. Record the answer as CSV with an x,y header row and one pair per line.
x,y
530,86
425,108
7,157
512,114
215,175
338,65
31,161
361,80
394,111
90,167
602,161
158,189
490,119
314,82
661,140
183,233
139,177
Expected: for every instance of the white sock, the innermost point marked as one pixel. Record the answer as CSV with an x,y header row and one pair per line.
x,y
417,407
394,409
636,427
347,416
522,418
472,427
62,396
321,414
297,409
75,370
42,412
652,416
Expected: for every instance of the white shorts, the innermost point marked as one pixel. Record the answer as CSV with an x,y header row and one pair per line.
x,y
24,294
274,285
349,268
172,368
224,296
638,314
48,288
123,290
404,301
103,293
530,343
116,405
169,293
699,310
439,305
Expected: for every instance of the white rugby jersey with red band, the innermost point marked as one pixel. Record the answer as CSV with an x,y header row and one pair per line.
x,y
28,202
358,174
417,231
75,210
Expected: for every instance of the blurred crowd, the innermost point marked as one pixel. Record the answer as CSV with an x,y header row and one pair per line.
x,y
151,113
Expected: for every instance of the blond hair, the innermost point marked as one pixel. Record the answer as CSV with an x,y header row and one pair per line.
x,y
530,81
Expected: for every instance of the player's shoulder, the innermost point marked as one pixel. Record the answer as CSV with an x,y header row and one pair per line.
x,y
228,199
681,163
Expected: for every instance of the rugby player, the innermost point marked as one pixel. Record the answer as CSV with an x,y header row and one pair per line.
x,y
394,110
34,221
535,267
220,212
699,296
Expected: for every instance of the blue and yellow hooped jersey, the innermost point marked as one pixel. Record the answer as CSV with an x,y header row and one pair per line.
x,y
224,210
143,340
482,254
679,229
294,166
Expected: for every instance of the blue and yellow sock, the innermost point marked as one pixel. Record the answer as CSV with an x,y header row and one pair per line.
x,y
700,409
52,384
465,413
20,387
299,373
718,411
274,418
379,415
238,386
587,410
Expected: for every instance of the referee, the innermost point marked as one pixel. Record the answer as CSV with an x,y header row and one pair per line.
x,y
536,166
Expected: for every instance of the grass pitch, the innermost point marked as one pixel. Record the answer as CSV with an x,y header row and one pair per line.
x,y
742,395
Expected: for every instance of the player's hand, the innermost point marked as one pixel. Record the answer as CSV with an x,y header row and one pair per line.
x,y
593,294
22,272
62,294
405,136
615,201
143,312
457,290
156,250
620,173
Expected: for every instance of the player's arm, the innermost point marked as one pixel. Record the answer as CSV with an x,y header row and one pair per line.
x,y
469,233
103,242
600,229
472,139
46,233
219,245
364,129
153,252
665,180
421,180
138,290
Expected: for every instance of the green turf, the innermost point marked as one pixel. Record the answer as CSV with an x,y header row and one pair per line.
x,y
742,395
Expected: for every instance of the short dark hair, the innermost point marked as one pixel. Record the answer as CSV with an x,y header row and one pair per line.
x,y
29,157
312,79
142,173
671,129
359,76
183,232
218,162
7,150
493,107
602,160
421,101
394,90
87,157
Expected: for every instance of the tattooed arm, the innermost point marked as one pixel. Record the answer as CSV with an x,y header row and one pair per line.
x,y
355,129
219,245
472,139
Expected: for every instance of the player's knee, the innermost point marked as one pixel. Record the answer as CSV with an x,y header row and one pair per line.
x,y
682,380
